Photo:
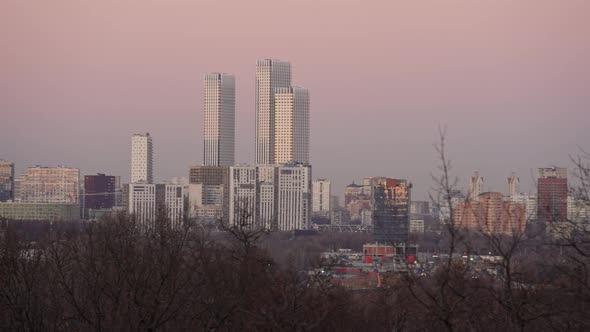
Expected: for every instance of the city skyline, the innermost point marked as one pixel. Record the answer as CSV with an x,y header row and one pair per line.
x,y
503,81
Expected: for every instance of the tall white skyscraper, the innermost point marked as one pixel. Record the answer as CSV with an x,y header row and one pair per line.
x,y
142,159
219,94
270,75
291,125
476,187
513,185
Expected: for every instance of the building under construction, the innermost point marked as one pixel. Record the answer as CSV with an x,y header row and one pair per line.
x,y
391,209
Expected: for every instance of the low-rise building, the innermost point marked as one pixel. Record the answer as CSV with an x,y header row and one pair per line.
x,y
419,207
49,185
39,211
416,226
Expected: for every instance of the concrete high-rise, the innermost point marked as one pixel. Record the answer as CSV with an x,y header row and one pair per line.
x,y
270,75
272,197
293,196
476,187
212,189
142,159
6,181
552,192
49,185
146,202
291,141
528,201
491,214
142,202
322,191
100,191
243,196
513,185
170,202
219,104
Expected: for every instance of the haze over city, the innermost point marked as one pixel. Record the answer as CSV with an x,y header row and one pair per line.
x,y
311,165
509,79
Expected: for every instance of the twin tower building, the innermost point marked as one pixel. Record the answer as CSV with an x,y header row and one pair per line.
x,y
282,117
275,193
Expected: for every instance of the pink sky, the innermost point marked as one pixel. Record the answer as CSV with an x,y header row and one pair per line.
x,y
510,79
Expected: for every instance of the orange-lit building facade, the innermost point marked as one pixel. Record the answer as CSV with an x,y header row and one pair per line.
x,y
491,215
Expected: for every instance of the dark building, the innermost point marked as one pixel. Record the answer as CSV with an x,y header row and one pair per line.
x,y
390,210
552,193
100,191
6,181
209,175
215,181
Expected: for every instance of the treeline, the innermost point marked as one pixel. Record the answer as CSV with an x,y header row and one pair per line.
x,y
116,276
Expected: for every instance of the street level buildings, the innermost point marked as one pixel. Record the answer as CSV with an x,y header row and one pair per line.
x,y
142,159
219,94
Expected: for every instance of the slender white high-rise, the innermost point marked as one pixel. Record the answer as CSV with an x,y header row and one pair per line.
x,y
476,187
270,75
219,94
291,125
321,193
513,185
142,159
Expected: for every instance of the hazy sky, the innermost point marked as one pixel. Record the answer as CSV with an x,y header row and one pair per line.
x,y
509,78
